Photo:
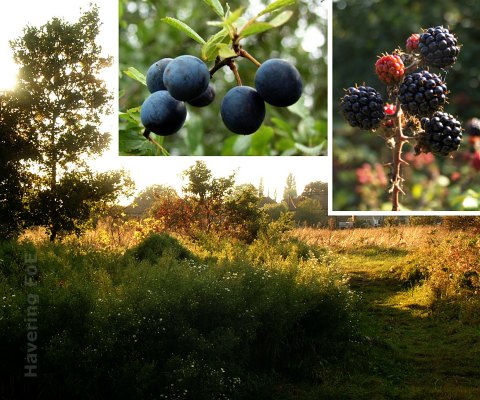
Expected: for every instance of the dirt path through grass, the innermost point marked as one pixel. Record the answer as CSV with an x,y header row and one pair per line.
x,y
414,355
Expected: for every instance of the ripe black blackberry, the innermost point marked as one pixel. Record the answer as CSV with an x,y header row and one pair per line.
x,y
473,127
363,107
442,134
422,93
438,47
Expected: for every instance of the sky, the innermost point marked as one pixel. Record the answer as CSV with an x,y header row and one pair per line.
x,y
273,170
146,171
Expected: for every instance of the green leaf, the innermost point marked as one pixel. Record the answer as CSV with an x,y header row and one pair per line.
x,y
277,5
260,141
256,28
210,49
132,143
182,26
225,51
310,151
216,6
132,115
135,74
283,125
281,18
242,144
234,16
194,135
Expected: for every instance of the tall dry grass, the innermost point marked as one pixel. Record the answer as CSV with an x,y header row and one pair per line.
x,y
406,237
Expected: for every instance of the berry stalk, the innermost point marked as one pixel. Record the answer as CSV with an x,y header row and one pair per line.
x,y
400,140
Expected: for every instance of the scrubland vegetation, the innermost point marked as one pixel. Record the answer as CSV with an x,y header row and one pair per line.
x,y
128,312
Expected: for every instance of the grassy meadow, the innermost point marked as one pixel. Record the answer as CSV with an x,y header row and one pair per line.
x,y
125,312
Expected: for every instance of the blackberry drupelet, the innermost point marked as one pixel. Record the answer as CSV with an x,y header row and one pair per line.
x,y
438,47
422,93
363,107
443,133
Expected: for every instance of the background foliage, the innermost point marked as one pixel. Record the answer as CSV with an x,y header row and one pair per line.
x,y
300,130
362,31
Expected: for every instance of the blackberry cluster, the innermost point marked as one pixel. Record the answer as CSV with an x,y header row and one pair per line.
x,y
438,47
442,134
363,107
473,127
422,93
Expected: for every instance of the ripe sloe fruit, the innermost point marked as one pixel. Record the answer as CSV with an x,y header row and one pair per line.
x,y
162,114
205,98
242,110
186,77
278,83
155,75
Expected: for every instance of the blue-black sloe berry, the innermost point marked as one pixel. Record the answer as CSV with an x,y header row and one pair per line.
x,y
242,110
205,99
155,75
278,83
186,77
162,114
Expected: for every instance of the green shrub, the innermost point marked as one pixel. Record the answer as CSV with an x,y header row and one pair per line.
x,y
156,245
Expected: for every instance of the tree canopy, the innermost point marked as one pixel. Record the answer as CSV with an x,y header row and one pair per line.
x,y
61,101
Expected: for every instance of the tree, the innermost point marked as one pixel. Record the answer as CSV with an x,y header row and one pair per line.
x,y
261,188
64,101
317,191
148,199
14,148
244,217
310,212
206,194
290,191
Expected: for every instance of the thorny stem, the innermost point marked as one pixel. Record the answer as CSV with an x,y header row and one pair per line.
x,y
396,177
233,67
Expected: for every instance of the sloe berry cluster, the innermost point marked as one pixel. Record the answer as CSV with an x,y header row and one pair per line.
x,y
172,82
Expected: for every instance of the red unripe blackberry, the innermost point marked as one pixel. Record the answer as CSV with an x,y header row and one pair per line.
x,y
438,47
422,93
443,133
389,110
390,69
363,107
412,42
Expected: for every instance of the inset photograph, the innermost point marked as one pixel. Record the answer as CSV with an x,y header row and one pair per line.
x,y
218,78
405,107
